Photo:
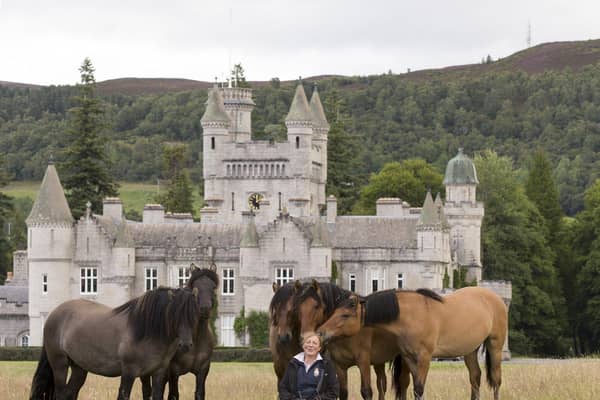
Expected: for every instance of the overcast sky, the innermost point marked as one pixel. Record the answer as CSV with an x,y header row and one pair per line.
x,y
45,41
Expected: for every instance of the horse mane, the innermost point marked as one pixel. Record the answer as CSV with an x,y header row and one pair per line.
x,y
199,273
431,294
331,296
381,307
280,297
158,313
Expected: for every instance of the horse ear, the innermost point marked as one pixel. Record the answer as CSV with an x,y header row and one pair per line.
x,y
276,286
354,301
193,267
195,292
297,286
213,267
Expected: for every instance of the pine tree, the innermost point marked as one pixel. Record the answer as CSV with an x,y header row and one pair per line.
x,y
179,196
85,170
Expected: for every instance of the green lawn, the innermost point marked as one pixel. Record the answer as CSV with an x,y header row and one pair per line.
x,y
133,194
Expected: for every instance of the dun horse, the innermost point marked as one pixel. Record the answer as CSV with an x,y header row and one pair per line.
x,y
138,338
197,360
313,304
424,325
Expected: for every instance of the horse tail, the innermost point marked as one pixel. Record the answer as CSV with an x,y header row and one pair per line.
x,y
42,387
396,367
488,364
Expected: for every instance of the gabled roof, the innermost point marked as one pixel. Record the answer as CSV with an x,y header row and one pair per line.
x,y
50,206
215,109
316,109
460,170
373,232
299,110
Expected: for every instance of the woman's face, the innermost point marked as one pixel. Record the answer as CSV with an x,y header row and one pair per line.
x,y
312,345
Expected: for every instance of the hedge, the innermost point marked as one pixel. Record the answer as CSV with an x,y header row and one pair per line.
x,y
221,354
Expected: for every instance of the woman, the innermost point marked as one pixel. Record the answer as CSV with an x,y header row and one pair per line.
x,y
308,375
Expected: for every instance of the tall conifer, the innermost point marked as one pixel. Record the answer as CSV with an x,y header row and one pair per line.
x,y
85,170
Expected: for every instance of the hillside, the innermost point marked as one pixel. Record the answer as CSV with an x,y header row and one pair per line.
x,y
556,56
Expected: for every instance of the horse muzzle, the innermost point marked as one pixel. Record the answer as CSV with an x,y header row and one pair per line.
x,y
284,339
184,347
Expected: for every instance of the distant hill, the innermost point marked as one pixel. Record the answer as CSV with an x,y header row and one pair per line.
x,y
555,56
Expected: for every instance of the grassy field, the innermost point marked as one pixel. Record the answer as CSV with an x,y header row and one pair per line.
x,y
523,380
133,194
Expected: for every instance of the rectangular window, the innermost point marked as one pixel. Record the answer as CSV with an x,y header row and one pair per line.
x,y
227,334
25,341
284,275
151,278
374,284
352,282
183,275
44,283
400,280
228,281
89,280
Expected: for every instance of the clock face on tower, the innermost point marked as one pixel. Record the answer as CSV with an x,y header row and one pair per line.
x,y
254,201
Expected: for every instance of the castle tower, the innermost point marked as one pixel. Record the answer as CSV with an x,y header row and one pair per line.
x,y
50,252
465,213
238,105
320,131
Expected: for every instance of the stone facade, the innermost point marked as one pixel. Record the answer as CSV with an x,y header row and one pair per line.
x,y
262,223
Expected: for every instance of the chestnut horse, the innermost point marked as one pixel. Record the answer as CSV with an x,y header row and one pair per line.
x,y
138,338
313,304
424,325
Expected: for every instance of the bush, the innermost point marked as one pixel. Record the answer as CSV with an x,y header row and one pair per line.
x,y
20,353
258,328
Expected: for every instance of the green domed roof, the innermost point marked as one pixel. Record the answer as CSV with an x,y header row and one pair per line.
x,y
460,170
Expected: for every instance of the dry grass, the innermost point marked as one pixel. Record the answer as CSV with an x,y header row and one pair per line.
x,y
530,380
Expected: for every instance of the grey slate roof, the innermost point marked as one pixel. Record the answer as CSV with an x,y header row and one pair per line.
x,y
316,109
221,235
429,214
299,110
215,108
460,170
14,294
373,232
250,237
50,206
439,206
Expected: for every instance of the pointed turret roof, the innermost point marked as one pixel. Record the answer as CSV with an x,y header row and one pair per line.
x,y
429,212
215,109
250,235
299,110
316,109
460,170
51,205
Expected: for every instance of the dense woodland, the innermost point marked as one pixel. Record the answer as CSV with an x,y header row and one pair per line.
x,y
535,140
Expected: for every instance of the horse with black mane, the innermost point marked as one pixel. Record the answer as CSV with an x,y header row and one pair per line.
x,y
314,303
136,339
421,325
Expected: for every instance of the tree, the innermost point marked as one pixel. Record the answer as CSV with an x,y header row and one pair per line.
x,y
179,195
237,75
85,170
409,180
6,210
515,248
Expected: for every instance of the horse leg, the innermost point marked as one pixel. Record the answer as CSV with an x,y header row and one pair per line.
x,y
201,380
493,363
401,377
146,387
419,374
381,380
173,386
343,381
76,381
60,368
158,384
364,367
125,386
474,374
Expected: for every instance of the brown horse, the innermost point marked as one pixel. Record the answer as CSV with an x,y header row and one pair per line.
x,y
138,338
283,343
424,325
197,360
313,304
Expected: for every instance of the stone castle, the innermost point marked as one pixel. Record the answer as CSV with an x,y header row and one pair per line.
x,y
262,224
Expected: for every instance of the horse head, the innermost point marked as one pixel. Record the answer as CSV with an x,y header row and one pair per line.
x,y
203,283
346,320
310,308
183,317
279,311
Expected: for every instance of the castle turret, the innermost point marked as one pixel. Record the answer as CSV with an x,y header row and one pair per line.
x,y
215,125
50,252
299,121
320,131
433,241
465,213
238,105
